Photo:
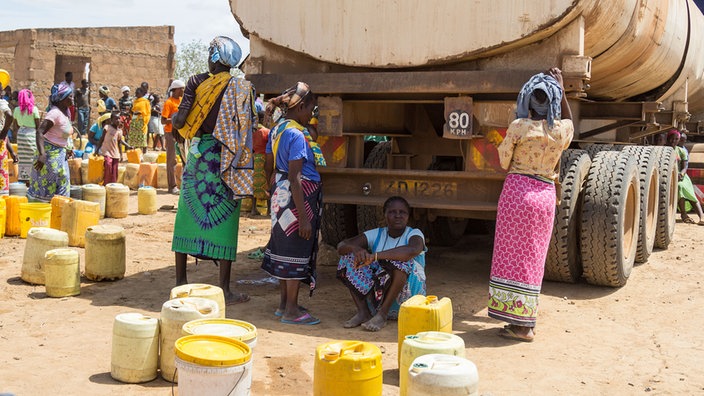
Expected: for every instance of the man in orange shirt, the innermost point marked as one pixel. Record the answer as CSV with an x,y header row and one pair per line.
x,y
170,108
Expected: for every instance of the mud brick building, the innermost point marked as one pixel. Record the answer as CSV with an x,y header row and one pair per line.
x,y
116,56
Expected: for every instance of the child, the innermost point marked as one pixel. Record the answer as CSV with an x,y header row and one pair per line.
x,y
109,147
155,128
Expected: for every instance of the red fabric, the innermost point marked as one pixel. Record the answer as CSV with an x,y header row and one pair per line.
x,y
111,165
259,140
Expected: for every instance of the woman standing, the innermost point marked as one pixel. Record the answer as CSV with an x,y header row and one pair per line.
x,y
141,112
532,148
27,120
686,198
383,267
50,175
5,147
296,201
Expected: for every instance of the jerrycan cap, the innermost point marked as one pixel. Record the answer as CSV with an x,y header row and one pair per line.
x,y
418,367
431,299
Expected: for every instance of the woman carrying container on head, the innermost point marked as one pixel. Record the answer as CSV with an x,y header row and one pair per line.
x,y
296,200
532,148
383,267
50,175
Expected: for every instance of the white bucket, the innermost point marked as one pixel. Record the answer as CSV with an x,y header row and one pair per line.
x,y
213,365
445,375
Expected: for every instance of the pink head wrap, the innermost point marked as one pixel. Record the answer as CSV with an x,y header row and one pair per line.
x,y
26,101
673,132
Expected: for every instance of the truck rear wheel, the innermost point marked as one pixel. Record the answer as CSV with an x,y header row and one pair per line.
x,y
447,231
667,203
370,217
594,149
563,262
649,191
339,222
610,217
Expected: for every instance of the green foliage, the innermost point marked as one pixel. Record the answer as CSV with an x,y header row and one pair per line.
x,y
191,58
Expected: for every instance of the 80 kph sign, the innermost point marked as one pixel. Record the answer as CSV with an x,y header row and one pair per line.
x,y
458,118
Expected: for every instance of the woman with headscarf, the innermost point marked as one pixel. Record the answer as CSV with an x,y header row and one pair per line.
x,y
50,175
530,151
296,201
687,198
221,108
141,112
106,104
27,121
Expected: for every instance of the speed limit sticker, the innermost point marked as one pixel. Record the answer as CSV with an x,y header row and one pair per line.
x,y
458,118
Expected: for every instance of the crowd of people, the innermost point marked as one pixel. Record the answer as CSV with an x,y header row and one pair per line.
x,y
240,146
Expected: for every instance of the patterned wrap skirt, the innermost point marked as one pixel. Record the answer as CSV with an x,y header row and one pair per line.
x,y
370,282
54,177
137,136
208,217
4,169
524,222
288,256
259,177
26,150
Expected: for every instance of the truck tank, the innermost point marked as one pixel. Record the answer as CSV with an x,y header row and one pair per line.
x,y
632,68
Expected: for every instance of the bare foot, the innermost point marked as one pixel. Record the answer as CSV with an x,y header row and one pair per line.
x,y
376,323
356,320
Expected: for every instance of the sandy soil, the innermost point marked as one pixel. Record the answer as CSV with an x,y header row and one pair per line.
x,y
644,337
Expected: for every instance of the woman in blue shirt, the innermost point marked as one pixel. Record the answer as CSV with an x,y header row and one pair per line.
x,y
296,200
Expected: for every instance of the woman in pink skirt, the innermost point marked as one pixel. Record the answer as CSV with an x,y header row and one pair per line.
x,y
530,151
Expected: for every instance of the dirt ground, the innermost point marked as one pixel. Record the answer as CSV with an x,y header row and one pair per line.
x,y
644,337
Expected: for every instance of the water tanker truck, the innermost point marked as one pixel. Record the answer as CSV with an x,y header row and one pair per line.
x,y
439,81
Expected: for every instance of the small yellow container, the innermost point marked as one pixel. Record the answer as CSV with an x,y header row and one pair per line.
x,y
347,368
426,343
34,214
230,328
161,180
174,314
134,156
62,273
40,241
3,217
74,168
131,178
135,348
96,169
201,290
77,216
423,313
147,174
84,171
95,193
57,208
117,200
161,158
105,252
146,200
13,227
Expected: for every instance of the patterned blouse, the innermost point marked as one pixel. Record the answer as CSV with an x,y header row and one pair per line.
x,y
530,148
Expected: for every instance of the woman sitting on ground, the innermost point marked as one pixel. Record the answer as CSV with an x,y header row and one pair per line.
x,y
383,267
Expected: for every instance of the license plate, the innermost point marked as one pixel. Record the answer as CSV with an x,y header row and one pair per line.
x,y
420,188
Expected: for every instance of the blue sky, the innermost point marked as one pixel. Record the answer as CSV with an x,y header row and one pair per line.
x,y
194,20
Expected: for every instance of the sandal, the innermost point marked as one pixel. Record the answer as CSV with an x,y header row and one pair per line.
x,y
688,220
256,255
280,312
305,319
512,335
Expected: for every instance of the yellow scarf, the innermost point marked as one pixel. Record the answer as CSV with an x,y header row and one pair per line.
x,y
278,130
206,94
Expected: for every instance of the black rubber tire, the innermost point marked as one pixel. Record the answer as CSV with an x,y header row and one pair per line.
x,y
594,149
370,217
610,216
339,223
562,263
667,204
446,231
649,196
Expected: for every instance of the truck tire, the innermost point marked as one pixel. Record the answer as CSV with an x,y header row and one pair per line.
x,y
447,231
594,149
563,262
649,195
370,217
339,223
667,203
610,216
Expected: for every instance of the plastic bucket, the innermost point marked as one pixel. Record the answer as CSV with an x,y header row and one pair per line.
x,y
213,365
62,273
426,343
34,214
105,252
95,193
116,200
230,328
40,241
18,189
135,348
442,375
146,200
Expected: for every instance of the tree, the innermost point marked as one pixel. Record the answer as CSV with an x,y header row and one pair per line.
x,y
191,58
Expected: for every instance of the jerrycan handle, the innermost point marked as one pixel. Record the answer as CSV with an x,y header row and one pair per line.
x,y
334,355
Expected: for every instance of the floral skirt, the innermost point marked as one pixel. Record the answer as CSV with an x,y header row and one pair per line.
x,y
137,136
53,178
